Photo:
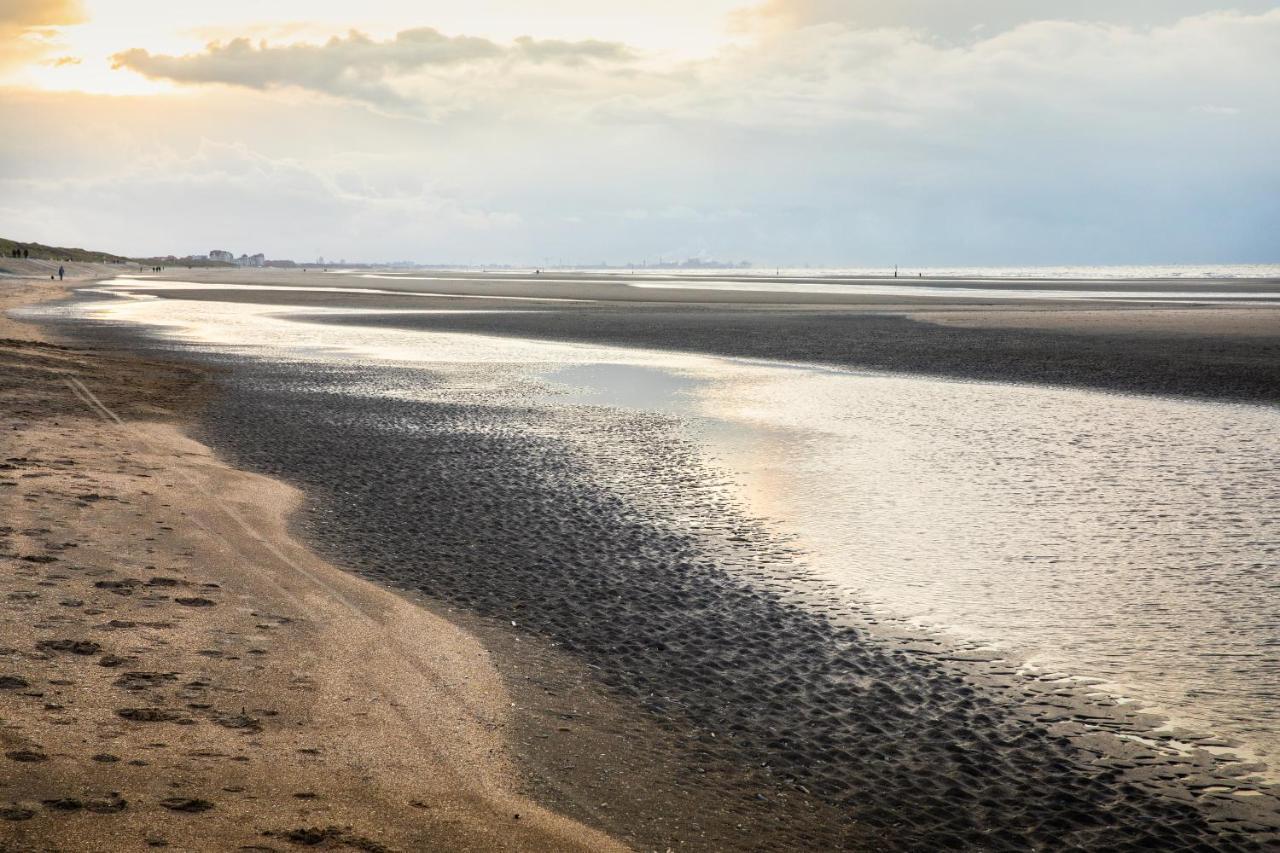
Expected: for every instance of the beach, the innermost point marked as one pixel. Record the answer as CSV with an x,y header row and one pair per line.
x,y
613,630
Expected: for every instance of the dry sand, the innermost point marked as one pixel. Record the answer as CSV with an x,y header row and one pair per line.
x,y
176,670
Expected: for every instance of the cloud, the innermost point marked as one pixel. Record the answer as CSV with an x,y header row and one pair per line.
x,y
572,52
232,196
27,27
830,142
357,66
972,19
1051,140
1093,78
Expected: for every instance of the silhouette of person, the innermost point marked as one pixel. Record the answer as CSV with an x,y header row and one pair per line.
x,y
61,272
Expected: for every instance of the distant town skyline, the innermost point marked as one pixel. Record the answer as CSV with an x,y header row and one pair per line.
x,y
790,132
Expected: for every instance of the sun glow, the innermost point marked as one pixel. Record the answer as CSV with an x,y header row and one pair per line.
x,y
86,71
78,57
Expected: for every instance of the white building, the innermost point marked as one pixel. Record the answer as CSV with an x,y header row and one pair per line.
x,y
251,260
223,256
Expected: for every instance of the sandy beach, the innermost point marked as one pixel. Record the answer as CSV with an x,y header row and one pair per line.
x,y
505,602
177,671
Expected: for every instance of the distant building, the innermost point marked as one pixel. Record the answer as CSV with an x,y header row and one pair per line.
x,y
223,256
257,260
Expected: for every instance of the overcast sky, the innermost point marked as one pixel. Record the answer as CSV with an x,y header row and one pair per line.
x,y
824,132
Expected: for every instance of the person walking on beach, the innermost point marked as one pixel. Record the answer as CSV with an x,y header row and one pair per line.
x,y
61,272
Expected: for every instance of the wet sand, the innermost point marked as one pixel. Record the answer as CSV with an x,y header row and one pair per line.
x,y
177,671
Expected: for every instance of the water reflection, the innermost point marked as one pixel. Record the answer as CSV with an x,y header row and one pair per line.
x,y
1127,538
627,385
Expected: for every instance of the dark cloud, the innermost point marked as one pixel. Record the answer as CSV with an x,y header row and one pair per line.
x,y
356,65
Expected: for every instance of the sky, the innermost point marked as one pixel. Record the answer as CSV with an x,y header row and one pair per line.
x,y
783,132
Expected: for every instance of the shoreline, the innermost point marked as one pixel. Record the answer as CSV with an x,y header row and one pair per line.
x,y
162,684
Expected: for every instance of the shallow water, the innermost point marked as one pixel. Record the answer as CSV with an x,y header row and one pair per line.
x,y
1131,539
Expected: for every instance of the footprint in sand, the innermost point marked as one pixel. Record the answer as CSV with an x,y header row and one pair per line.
x,y
143,680
153,715
186,804
75,647
110,804
124,587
